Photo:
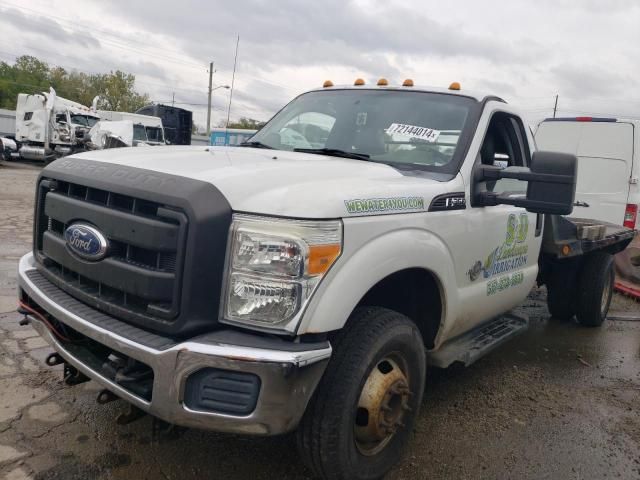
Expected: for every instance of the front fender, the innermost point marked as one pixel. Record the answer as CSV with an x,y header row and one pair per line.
x,y
366,260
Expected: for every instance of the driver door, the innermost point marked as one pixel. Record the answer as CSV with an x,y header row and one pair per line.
x,y
501,260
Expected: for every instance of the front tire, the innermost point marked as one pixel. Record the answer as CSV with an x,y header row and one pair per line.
x,y
362,413
596,289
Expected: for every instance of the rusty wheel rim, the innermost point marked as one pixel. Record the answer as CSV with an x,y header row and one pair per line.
x,y
382,406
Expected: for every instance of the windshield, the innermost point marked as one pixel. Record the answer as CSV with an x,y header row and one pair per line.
x,y
139,133
154,134
147,134
84,120
415,129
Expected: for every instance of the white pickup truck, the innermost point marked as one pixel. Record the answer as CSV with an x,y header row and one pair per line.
x,y
304,280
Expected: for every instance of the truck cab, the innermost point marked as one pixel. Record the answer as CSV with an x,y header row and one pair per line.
x,y
144,130
305,279
48,126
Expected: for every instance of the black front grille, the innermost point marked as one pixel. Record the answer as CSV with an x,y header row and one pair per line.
x,y
139,280
167,234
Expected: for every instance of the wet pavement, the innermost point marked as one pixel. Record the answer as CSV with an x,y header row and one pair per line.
x,y
560,401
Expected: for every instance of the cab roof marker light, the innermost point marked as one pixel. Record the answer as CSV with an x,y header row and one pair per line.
x,y
359,82
383,82
582,119
327,84
407,83
454,86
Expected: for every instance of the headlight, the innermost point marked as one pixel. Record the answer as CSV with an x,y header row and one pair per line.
x,y
275,266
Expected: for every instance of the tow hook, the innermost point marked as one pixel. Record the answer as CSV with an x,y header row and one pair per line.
x,y
24,321
105,396
72,376
54,359
131,416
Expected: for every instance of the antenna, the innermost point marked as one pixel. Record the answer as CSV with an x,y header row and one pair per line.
x,y
233,79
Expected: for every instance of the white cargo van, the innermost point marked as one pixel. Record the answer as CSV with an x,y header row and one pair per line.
x,y
608,151
608,189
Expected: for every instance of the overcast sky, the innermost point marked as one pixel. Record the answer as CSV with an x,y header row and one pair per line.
x,y
586,51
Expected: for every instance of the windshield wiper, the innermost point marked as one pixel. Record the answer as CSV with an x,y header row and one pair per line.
x,y
255,144
334,152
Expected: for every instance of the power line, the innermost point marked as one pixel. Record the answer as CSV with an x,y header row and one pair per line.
x,y
72,24
162,56
79,70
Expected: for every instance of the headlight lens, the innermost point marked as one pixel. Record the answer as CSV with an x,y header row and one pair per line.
x,y
259,252
275,266
262,300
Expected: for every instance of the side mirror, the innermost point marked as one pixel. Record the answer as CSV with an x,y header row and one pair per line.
x,y
551,184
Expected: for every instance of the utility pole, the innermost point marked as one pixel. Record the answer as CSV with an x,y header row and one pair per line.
x,y
173,99
209,101
555,107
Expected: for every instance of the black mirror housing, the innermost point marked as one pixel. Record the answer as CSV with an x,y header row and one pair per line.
x,y
549,195
551,183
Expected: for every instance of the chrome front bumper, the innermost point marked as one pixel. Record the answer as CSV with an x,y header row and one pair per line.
x,y
288,378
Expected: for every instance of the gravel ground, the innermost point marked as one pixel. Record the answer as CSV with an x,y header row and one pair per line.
x,y
560,401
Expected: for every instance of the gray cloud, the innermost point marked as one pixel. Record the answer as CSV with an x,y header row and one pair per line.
x,y
596,6
289,32
520,49
48,28
584,81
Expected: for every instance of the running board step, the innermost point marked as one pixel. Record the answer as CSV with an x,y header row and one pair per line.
x,y
470,346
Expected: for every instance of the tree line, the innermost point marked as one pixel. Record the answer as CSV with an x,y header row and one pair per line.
x,y
116,89
30,75
243,122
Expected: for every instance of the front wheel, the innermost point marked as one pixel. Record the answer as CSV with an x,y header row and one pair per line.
x,y
596,289
361,416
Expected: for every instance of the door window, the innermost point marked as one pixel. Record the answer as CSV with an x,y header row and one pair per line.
x,y
505,146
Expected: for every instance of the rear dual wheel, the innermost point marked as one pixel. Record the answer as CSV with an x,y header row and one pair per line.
x,y
561,292
586,294
362,413
596,289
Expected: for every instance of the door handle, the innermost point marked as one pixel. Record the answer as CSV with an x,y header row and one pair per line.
x,y
580,204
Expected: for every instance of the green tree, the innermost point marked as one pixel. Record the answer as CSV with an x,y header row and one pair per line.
x,y
117,92
31,75
247,123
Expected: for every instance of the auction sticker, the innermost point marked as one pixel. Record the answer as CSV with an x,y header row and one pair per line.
x,y
423,133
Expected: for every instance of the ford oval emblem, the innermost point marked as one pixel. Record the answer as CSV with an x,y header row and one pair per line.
x,y
86,241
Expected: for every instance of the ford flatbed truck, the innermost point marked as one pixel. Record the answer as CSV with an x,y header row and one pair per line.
x,y
304,280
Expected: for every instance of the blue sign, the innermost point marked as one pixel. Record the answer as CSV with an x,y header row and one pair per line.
x,y
222,137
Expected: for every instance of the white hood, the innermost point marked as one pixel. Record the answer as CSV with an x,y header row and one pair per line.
x,y
290,184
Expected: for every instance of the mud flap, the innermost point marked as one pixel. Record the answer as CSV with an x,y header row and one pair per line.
x,y
627,265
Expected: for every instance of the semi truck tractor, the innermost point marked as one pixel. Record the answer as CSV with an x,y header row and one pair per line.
x,y
49,127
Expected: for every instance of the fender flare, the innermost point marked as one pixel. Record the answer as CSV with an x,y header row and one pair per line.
x,y
360,268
